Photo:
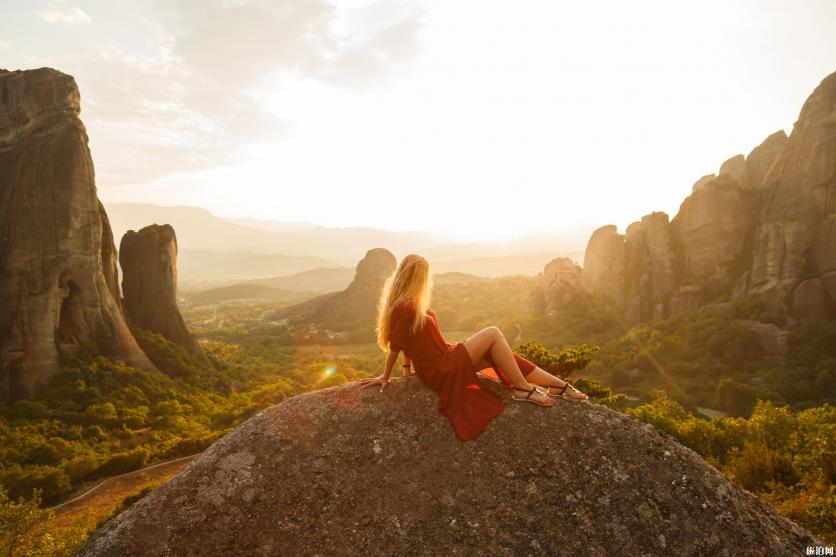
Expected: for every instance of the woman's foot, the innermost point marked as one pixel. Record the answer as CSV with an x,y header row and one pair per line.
x,y
567,391
532,393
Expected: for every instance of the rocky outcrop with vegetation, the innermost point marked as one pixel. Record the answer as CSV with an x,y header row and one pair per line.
x,y
354,308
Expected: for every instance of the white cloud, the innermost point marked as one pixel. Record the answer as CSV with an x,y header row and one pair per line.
x,y
60,13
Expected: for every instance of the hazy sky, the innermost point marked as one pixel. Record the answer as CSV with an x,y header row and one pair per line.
x,y
477,118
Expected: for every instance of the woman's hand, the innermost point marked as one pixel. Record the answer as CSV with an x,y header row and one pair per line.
x,y
383,381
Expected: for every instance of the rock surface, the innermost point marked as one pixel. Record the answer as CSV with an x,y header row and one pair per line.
x,y
735,169
712,227
344,471
773,340
353,308
762,158
603,264
799,203
651,267
149,266
58,281
560,282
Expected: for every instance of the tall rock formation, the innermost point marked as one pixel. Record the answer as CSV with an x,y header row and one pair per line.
x,y
352,308
763,229
651,272
796,231
149,267
635,272
603,264
345,471
58,280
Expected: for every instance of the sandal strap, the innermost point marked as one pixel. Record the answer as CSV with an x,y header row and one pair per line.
x,y
561,387
526,390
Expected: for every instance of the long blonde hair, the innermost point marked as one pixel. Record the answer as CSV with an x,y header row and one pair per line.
x,y
411,281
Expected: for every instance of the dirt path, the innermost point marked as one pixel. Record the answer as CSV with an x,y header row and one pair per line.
x,y
109,492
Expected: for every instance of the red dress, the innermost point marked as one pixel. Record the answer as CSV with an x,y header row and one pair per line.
x,y
446,368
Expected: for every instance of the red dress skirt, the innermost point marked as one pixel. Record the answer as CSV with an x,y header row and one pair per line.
x,y
446,368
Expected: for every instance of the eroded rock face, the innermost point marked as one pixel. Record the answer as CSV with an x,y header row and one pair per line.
x,y
604,264
735,169
149,266
761,159
651,269
353,308
702,182
348,471
799,204
773,340
560,283
810,300
712,225
58,281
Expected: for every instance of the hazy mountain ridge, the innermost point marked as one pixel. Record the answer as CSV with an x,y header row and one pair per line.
x,y
213,248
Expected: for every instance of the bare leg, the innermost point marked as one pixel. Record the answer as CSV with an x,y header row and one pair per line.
x,y
543,377
490,340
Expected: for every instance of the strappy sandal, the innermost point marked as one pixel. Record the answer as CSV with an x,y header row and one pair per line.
x,y
562,393
528,396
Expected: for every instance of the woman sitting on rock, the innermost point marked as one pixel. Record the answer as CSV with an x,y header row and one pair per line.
x,y
407,324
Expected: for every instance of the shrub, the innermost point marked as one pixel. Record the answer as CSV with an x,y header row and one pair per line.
x,y
121,463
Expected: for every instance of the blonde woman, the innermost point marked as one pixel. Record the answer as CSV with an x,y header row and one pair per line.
x,y
407,324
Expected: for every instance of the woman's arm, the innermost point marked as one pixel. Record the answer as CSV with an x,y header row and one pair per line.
x,y
382,380
407,366
390,363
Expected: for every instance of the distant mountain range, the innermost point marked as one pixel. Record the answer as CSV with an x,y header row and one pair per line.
x,y
215,251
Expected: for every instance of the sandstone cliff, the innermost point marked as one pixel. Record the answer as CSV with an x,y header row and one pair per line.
x,y
149,266
352,308
344,471
795,237
762,229
58,282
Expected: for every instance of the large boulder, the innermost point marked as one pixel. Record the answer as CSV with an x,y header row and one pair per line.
x,y
773,340
353,308
58,279
345,471
149,266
